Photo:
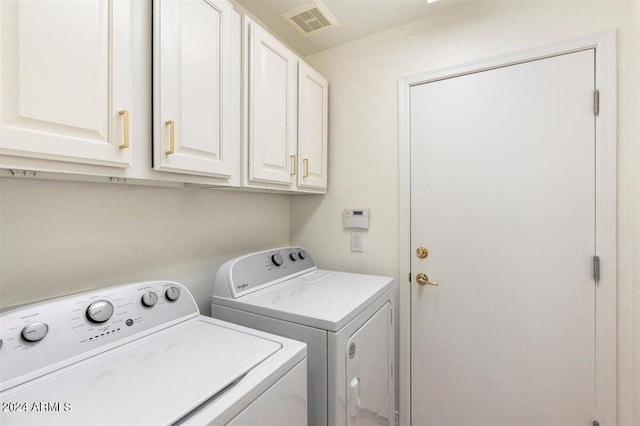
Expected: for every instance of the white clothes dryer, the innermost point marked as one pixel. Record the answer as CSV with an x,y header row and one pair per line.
x,y
141,354
345,319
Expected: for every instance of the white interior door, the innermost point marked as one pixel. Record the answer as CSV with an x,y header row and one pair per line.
x,y
503,197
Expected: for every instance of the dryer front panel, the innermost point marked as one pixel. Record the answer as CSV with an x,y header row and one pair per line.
x,y
369,368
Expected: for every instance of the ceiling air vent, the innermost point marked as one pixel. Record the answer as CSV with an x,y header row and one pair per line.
x,y
310,18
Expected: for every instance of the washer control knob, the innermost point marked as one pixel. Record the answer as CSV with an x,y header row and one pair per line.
x,y
35,331
100,311
172,294
149,299
293,256
302,254
277,259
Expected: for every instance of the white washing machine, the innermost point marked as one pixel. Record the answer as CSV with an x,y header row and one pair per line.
x,y
345,319
141,354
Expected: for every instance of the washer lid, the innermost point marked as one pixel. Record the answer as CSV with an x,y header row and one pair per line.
x,y
322,299
155,380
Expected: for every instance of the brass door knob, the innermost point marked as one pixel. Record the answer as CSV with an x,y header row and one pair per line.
x,y
422,252
423,279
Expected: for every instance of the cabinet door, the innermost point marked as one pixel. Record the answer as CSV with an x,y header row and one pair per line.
x,y
312,128
192,86
65,73
272,109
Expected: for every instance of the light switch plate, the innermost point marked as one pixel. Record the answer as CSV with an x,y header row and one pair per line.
x,y
356,242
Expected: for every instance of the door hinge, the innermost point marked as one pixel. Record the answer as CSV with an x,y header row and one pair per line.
x,y
596,102
596,423
596,268
409,276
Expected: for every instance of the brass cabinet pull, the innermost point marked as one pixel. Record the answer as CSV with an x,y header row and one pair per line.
x,y
293,165
306,167
172,136
125,143
423,279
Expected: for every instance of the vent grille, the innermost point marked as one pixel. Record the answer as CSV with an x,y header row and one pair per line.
x,y
310,18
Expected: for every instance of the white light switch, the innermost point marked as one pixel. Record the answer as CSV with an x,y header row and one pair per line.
x,y
356,241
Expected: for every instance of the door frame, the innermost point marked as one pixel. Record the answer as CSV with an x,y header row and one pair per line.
x,y
605,191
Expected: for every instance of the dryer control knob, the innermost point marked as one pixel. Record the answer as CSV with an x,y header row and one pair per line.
x,y
172,294
149,299
293,257
302,254
100,311
35,331
277,259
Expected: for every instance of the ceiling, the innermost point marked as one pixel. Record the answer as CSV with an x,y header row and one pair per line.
x,y
356,18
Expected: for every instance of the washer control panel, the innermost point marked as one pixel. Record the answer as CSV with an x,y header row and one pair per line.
x,y
41,337
258,270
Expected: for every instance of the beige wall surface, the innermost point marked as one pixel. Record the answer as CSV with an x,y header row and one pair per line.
x,y
58,238
363,132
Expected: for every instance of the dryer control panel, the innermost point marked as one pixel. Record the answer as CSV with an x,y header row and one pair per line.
x,y
38,338
246,274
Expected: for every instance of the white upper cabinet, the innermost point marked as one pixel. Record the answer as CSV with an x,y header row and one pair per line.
x,y
230,104
312,128
66,81
192,87
271,108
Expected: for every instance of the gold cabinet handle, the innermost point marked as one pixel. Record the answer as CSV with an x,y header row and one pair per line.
x,y
125,143
172,137
306,167
423,279
293,165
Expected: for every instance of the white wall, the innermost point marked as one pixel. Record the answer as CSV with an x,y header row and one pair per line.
x,y
64,237
363,130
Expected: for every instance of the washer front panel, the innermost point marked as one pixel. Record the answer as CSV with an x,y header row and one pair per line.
x,y
154,380
70,334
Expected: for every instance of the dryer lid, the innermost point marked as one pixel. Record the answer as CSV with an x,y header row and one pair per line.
x,y
157,379
322,299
